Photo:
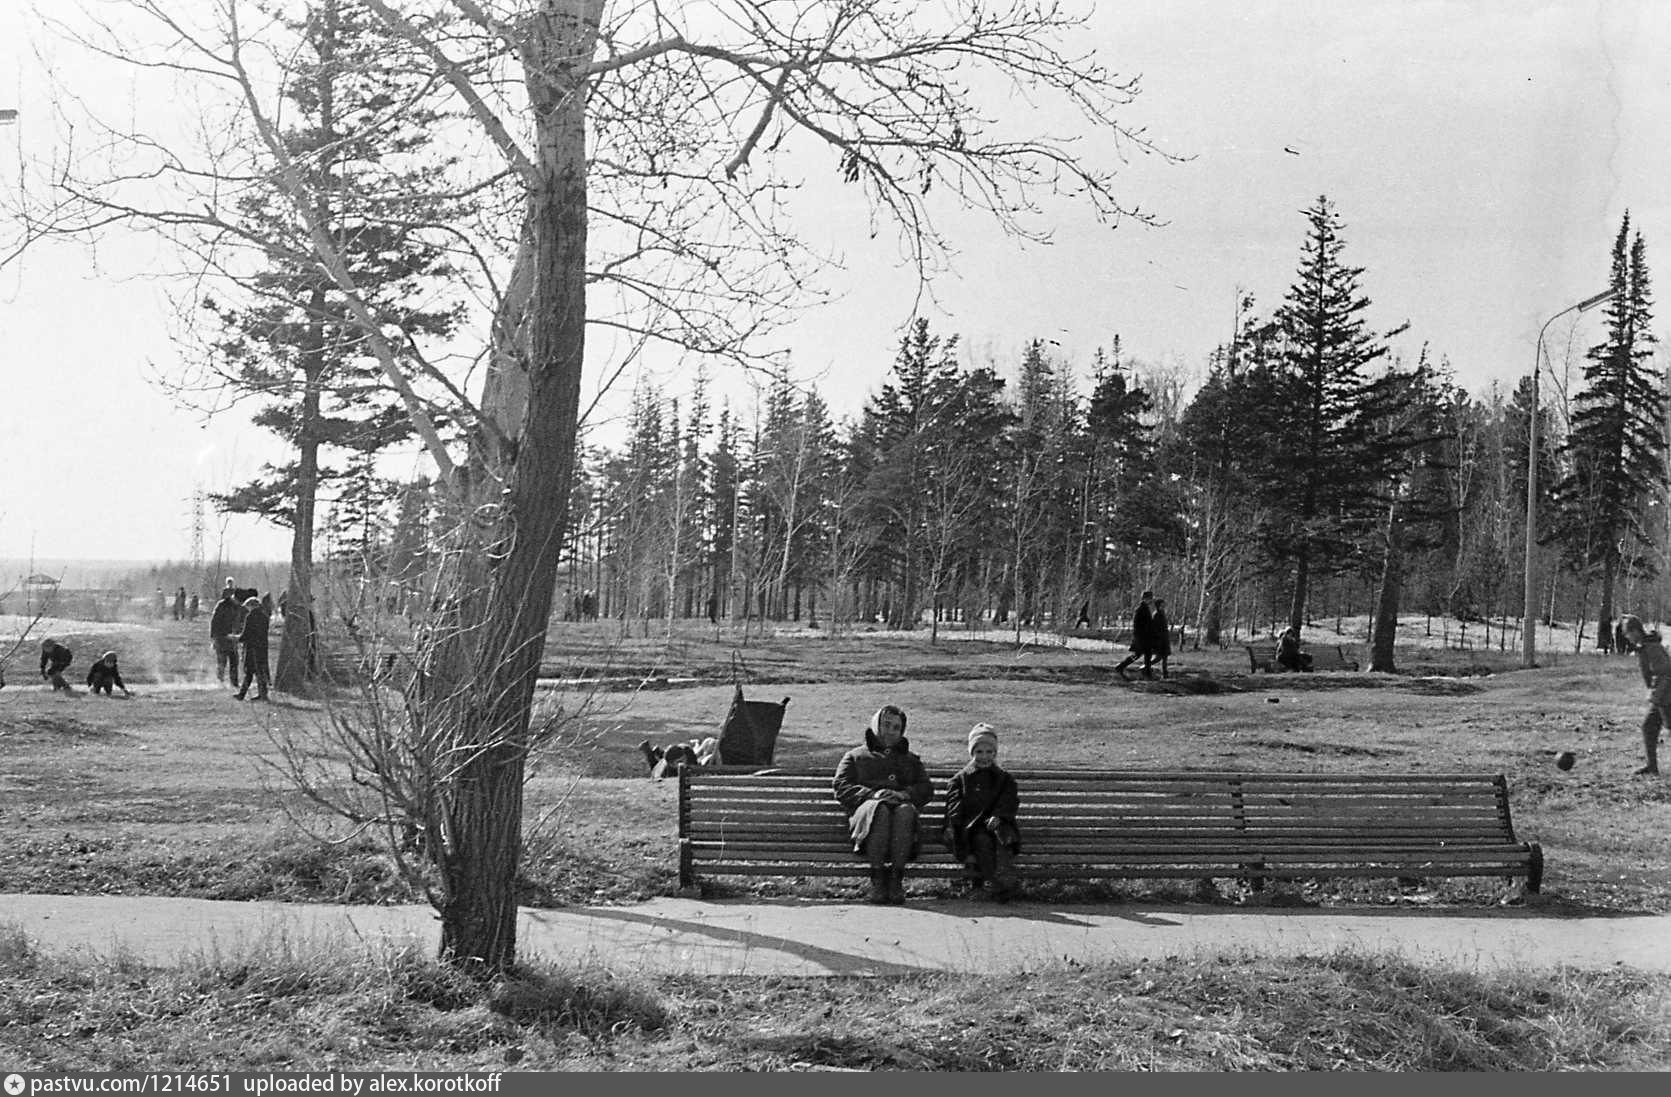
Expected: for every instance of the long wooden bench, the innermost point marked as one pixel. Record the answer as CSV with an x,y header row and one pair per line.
x,y
1262,657
1082,824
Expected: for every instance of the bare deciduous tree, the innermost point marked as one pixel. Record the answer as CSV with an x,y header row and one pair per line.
x,y
656,140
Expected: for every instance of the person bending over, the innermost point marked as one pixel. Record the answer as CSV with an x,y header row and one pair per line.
x,y
105,674
55,660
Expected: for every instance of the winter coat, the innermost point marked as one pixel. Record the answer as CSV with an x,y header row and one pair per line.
x,y
1141,640
54,658
1160,635
226,619
102,673
254,634
1655,665
865,769
973,796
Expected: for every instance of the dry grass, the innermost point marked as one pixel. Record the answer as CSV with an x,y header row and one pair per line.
x,y
169,793
288,1009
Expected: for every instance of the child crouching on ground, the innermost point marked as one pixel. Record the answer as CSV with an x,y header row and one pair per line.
x,y
104,674
981,804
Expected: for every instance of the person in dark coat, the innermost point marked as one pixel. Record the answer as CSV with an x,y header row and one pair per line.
x,y
1288,653
253,639
882,786
104,674
180,604
982,800
55,660
1140,637
224,624
1655,665
1160,636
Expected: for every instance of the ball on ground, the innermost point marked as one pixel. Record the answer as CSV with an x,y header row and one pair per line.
x,y
1565,760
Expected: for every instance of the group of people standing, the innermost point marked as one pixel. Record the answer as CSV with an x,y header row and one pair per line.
x,y
241,620
883,786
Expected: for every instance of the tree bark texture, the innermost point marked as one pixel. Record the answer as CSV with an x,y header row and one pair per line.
x,y
1384,630
483,824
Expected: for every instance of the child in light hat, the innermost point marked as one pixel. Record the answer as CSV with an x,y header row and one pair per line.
x,y
981,804
104,674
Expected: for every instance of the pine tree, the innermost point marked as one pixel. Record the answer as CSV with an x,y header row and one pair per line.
x,y
1616,449
900,427
1324,483
292,343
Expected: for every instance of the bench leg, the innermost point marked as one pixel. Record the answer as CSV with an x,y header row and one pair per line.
x,y
1534,870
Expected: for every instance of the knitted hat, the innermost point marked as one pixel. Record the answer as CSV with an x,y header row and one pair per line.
x,y
982,733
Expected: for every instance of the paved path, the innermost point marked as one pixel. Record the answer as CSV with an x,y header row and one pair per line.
x,y
828,938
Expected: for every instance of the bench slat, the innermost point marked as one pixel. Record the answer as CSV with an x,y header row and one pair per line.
x,y
1095,824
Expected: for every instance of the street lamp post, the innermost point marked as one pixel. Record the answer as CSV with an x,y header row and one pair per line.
x,y
1529,656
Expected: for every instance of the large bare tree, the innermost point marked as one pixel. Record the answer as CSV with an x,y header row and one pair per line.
x,y
635,161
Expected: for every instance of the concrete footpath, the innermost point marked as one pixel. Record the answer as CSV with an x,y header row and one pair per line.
x,y
800,937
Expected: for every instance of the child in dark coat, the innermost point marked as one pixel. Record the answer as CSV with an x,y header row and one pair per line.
x,y
104,674
55,659
981,804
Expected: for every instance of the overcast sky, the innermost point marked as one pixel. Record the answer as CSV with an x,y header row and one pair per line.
x,y
1481,155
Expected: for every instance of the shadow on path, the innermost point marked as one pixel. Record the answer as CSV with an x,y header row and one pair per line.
x,y
837,962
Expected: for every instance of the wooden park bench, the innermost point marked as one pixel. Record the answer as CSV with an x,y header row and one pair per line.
x,y
1262,657
1080,824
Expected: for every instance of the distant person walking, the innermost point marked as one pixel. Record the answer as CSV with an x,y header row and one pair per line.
x,y
1655,665
1140,637
224,624
180,604
253,638
55,660
1160,635
192,610
104,674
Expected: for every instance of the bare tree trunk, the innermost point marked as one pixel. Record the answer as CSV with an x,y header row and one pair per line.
x,y
296,641
1604,621
1302,580
1384,631
491,711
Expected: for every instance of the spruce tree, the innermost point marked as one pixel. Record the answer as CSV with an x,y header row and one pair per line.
x,y
289,340
1326,467
1616,449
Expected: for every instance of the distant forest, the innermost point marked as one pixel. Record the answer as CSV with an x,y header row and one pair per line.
x,y
1311,475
